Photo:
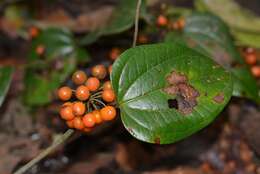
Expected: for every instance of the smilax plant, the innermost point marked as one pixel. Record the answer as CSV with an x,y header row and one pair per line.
x,y
164,92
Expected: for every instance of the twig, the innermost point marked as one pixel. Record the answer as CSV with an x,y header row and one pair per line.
x,y
137,15
44,153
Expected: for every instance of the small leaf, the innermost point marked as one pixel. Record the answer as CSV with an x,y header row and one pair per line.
x,y
167,92
39,88
122,19
209,35
245,25
5,80
233,14
57,42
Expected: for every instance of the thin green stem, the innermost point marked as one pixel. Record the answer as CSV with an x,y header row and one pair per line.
x,y
137,15
93,104
99,101
47,151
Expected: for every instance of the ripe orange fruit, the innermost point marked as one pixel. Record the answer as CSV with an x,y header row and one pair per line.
x,y
114,53
70,123
108,95
40,49
78,124
78,108
162,21
256,71
108,113
251,59
92,83
79,77
142,39
97,115
82,93
107,85
89,120
66,113
34,32
181,23
64,93
99,71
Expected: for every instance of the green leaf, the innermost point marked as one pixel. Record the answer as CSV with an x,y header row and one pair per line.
x,y
121,20
40,88
234,15
247,38
245,25
140,79
209,35
57,42
82,55
5,80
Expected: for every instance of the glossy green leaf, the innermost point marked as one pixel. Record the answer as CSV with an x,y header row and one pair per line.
x,y
140,79
121,20
209,35
5,80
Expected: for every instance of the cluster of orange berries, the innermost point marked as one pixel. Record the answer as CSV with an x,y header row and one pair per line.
x,y
163,21
252,60
94,102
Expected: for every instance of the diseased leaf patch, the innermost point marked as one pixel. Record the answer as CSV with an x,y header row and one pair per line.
x,y
143,75
186,95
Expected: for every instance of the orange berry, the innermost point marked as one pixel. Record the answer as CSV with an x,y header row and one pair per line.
x,y
107,85
175,25
162,21
89,120
78,124
99,71
256,71
66,113
79,108
250,59
110,69
114,53
40,49
108,95
92,83
181,23
70,123
142,39
97,115
108,113
79,77
64,93
82,93
34,32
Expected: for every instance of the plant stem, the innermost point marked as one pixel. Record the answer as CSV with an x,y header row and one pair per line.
x,y
137,15
98,101
44,153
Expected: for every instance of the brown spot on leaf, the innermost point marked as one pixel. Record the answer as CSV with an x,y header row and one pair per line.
x,y
186,95
219,98
176,78
157,140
